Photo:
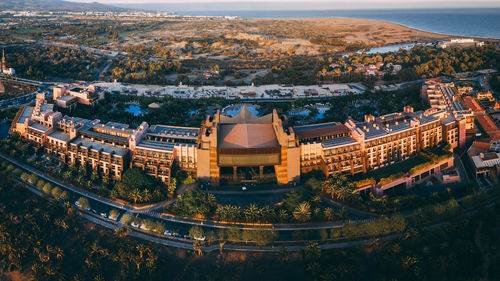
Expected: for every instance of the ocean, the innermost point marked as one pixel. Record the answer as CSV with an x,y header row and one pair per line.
x,y
480,22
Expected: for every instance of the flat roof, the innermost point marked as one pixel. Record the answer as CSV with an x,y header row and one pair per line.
x,y
338,142
27,111
59,135
371,130
69,119
156,145
247,136
39,127
100,147
88,131
426,119
67,98
116,125
492,159
174,131
401,126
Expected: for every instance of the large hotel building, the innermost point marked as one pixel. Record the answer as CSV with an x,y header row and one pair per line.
x,y
245,147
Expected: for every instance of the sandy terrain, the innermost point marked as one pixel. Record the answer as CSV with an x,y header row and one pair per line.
x,y
268,35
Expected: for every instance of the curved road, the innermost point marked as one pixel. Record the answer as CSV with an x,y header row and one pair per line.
x,y
186,243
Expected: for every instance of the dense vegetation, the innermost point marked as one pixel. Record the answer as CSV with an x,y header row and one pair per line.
x,y
43,62
50,242
418,63
296,208
137,187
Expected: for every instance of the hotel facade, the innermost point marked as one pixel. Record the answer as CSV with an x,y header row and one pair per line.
x,y
242,148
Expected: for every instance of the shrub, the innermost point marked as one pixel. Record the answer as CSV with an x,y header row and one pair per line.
x,y
56,192
335,233
314,184
84,203
25,177
65,195
196,232
114,213
40,184
292,200
32,179
189,180
159,227
149,224
47,188
126,219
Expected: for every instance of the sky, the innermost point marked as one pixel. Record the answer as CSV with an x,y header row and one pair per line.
x,y
182,5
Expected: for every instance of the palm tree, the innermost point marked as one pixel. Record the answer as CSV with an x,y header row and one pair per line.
x,y
197,248
283,252
329,214
59,253
283,215
80,180
251,213
331,189
146,195
222,236
302,212
67,175
94,176
135,195
344,193
312,251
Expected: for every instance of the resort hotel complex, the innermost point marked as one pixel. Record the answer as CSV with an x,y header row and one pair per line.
x,y
247,148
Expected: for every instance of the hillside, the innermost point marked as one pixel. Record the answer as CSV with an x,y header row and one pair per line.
x,y
55,5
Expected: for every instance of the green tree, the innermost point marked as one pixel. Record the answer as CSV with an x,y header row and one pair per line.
x,y
292,200
56,192
32,179
196,232
114,213
65,196
83,203
312,251
329,214
47,188
126,219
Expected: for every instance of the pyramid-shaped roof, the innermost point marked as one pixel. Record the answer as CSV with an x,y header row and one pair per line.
x,y
245,116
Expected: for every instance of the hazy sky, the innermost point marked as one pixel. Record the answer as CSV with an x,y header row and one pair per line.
x,y
178,5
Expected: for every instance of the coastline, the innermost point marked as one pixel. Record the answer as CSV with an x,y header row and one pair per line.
x,y
436,35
